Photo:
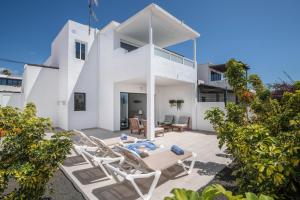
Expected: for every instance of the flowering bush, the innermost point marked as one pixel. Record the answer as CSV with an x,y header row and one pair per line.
x,y
262,134
25,156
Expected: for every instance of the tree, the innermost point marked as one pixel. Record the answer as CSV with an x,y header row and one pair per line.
x,y
6,72
262,134
25,155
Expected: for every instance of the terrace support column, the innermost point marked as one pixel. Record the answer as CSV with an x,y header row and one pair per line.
x,y
195,51
150,106
150,87
195,89
150,29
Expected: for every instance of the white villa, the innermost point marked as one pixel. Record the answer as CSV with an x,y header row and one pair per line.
x,y
103,78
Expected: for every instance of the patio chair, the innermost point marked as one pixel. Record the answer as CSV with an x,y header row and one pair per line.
x,y
99,155
183,123
134,167
157,130
135,126
169,120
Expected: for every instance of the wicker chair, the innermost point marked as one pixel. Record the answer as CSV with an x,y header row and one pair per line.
x,y
135,126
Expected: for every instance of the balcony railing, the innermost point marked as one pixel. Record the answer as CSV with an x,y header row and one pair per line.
x,y
173,56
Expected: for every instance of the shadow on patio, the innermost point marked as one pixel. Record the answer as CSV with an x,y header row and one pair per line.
x,y
125,190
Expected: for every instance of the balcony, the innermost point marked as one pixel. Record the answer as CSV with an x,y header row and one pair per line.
x,y
220,83
173,57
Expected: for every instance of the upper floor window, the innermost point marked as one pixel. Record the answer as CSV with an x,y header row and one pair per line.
x,y
214,76
128,46
80,50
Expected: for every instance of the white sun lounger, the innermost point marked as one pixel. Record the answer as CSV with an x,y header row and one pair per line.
x,y
134,167
99,155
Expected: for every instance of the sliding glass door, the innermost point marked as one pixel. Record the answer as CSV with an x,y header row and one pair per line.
x,y
124,110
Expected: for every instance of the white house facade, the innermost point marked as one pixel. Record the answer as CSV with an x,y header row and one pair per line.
x,y
122,70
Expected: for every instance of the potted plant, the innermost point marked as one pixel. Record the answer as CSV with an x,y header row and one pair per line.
x,y
179,103
173,102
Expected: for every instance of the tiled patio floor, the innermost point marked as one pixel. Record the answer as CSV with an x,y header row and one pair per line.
x,y
210,160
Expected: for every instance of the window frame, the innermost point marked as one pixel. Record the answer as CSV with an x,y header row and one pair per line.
x,y
81,44
84,101
214,76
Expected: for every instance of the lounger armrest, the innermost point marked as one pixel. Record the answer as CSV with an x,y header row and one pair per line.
x,y
146,175
84,147
107,160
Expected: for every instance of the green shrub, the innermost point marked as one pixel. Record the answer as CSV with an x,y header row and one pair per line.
x,y
25,156
262,134
213,192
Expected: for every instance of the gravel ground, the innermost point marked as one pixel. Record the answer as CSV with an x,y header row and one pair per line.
x,y
225,179
62,188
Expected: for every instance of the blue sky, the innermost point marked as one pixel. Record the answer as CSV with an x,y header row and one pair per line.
x,y
265,34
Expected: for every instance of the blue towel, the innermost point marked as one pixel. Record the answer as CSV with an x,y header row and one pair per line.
x,y
149,145
135,150
123,136
177,150
135,146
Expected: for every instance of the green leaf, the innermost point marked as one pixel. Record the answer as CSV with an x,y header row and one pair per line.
x,y
251,196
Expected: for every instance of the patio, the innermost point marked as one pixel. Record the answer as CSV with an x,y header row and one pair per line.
x,y
209,161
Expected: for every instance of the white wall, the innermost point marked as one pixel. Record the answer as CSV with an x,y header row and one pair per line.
x,y
40,86
169,69
202,107
82,77
203,72
166,93
10,99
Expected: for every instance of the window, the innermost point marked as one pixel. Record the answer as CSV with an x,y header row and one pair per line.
x,y
9,82
214,76
127,46
3,81
80,50
79,101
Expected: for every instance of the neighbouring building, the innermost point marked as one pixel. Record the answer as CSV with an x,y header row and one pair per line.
x,y
10,90
123,70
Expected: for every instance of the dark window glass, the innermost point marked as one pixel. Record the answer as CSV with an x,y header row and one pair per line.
x,y
19,82
77,49
128,47
79,101
15,82
82,51
203,99
215,76
3,81
9,82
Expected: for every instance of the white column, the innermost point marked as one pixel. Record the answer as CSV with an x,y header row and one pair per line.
x,y
150,87
195,102
150,29
195,51
150,106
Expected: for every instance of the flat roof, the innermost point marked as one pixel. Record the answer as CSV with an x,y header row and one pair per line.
x,y
222,67
10,76
167,29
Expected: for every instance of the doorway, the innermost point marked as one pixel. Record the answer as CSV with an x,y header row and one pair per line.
x,y
132,105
